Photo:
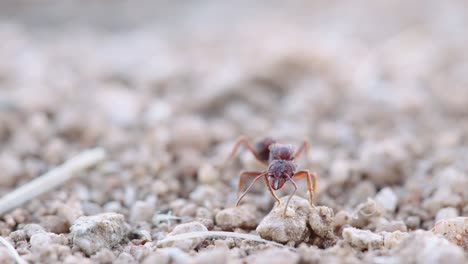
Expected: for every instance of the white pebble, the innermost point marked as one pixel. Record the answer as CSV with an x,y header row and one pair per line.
x,y
387,199
290,227
244,216
91,233
446,213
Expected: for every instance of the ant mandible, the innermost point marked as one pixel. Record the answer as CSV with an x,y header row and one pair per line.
x,y
281,167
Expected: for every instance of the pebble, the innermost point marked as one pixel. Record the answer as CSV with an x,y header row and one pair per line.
x,y
31,229
120,106
362,239
387,199
365,213
321,220
41,241
92,233
454,230
142,211
214,256
290,227
10,166
274,256
172,255
207,174
384,162
446,213
244,216
423,247
55,224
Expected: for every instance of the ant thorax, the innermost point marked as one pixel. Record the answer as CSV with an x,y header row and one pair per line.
x,y
281,152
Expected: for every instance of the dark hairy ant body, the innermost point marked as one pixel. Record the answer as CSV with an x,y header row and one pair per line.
x,y
281,167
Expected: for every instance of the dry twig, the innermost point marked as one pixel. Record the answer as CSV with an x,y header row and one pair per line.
x,y
13,253
219,234
51,179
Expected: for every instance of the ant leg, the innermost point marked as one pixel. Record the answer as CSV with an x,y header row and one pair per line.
x,y
271,190
242,176
258,174
304,147
243,141
311,182
292,194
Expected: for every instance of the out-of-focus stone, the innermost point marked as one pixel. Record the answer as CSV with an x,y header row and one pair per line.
x,y
454,229
387,199
244,216
274,256
446,213
384,162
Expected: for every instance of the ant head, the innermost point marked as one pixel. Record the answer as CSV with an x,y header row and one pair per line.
x,y
281,152
279,172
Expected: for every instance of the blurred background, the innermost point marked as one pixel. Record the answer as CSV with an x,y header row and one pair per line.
x,y
379,87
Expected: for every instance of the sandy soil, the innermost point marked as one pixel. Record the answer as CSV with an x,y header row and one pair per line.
x,y
379,89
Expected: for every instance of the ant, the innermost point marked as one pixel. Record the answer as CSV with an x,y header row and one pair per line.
x,y
281,167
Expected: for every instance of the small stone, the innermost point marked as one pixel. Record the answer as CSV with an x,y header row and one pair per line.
x,y
205,216
158,111
10,167
341,218
340,171
413,222
55,224
384,162
283,228
121,106
186,244
391,239
207,174
387,199
423,247
215,256
382,224
273,256
190,131
18,235
321,219
92,233
454,230
365,213
142,211
31,229
207,196
446,213
171,255
41,241
244,216
104,255
362,239
124,258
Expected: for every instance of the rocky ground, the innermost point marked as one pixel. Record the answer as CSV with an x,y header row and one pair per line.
x,y
379,89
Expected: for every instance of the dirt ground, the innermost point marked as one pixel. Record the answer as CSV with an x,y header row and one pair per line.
x,y
379,88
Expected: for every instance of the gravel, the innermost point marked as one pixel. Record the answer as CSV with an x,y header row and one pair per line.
x,y
379,92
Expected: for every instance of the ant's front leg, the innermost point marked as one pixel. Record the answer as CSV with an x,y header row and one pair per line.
x,y
303,148
244,174
243,141
311,182
271,189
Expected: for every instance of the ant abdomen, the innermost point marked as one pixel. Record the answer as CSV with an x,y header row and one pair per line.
x,y
263,148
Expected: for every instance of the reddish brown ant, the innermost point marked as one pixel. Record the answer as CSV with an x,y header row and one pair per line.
x,y
281,167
